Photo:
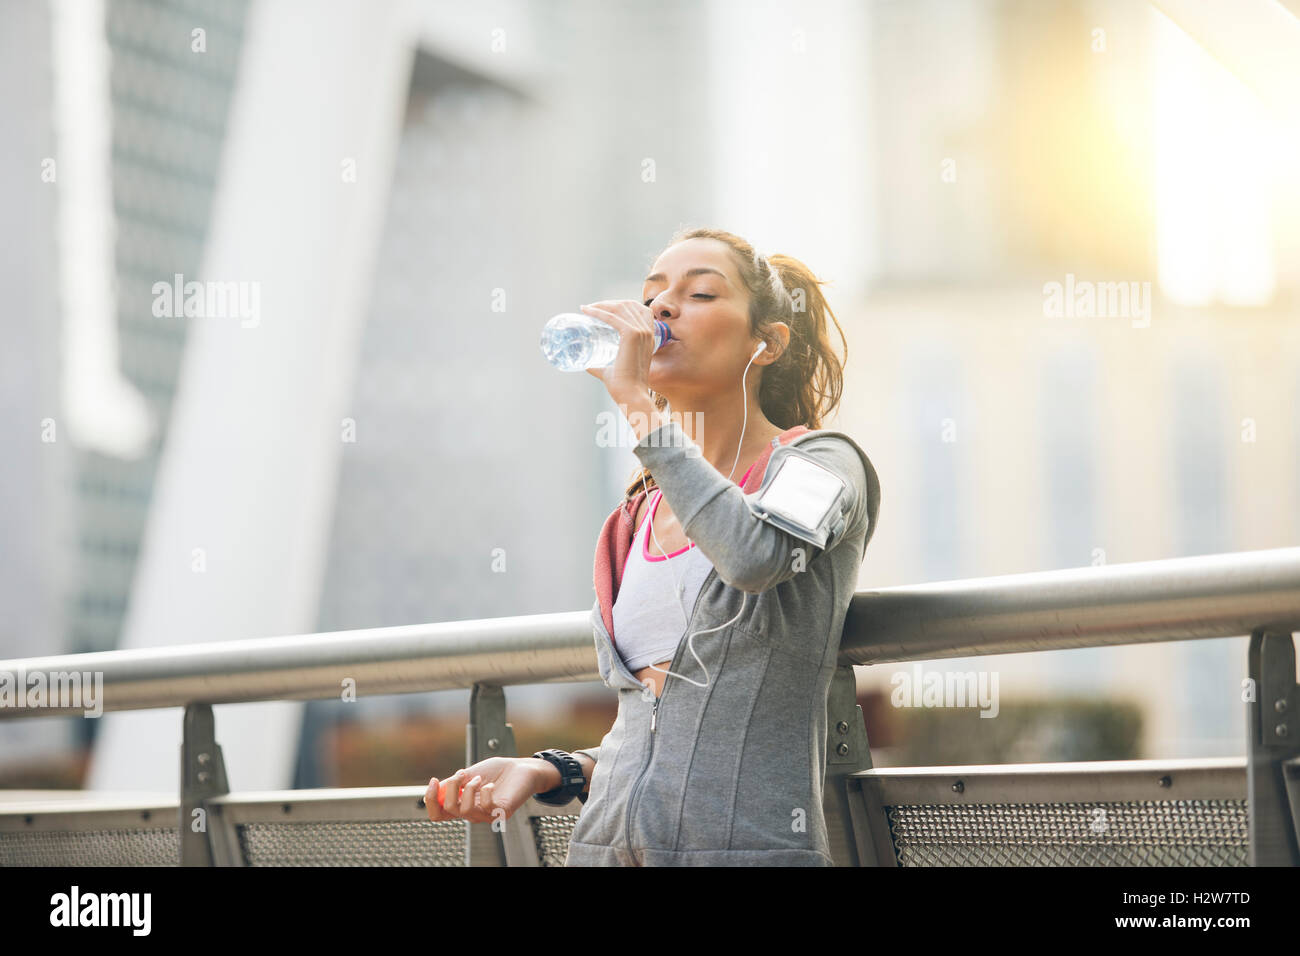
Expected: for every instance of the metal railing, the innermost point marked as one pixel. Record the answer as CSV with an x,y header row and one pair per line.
x,y
1248,593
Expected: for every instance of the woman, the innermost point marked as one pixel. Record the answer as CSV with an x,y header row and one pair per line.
x,y
727,603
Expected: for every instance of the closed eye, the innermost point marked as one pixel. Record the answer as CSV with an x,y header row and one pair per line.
x,y
698,295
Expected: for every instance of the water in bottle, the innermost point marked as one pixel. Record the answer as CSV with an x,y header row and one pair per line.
x,y
573,341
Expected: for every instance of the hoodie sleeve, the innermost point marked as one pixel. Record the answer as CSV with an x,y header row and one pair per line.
x,y
749,552
594,754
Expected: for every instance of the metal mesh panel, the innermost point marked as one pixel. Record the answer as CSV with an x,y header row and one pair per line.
x,y
1145,833
147,846
380,843
552,834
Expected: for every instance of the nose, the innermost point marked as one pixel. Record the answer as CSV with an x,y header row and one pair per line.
x,y
660,309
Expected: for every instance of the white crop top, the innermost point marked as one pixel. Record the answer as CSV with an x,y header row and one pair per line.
x,y
649,621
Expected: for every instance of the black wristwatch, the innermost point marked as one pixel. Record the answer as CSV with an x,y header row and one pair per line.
x,y
572,781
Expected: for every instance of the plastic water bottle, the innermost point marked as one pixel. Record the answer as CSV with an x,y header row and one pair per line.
x,y
574,341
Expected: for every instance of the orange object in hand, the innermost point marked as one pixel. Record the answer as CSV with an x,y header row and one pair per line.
x,y
442,790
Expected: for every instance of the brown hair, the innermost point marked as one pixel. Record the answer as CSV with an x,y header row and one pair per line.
x,y
804,384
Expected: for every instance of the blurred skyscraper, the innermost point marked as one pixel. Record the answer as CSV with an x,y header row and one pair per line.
x,y
70,566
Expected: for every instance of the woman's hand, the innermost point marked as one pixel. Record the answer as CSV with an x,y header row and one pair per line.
x,y
476,792
627,378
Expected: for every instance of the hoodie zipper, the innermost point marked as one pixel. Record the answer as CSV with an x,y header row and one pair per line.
x,y
654,710
654,713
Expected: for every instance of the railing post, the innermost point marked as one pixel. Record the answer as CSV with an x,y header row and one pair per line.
x,y
488,735
847,752
1273,750
203,776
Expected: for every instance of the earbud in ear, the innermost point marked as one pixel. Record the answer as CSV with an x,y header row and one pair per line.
x,y
761,347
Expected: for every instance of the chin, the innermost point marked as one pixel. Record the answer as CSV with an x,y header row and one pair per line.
x,y
660,382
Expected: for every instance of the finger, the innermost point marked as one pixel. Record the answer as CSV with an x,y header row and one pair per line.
x,y
628,326
431,801
606,315
629,307
637,311
487,802
467,798
637,315
451,799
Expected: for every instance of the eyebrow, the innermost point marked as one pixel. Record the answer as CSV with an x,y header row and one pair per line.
x,y
698,270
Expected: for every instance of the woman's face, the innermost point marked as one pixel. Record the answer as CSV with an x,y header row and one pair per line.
x,y
696,289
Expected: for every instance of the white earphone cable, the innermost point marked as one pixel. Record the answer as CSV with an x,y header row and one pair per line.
x,y
677,586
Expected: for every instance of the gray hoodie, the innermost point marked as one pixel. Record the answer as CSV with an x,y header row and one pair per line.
x,y
732,773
